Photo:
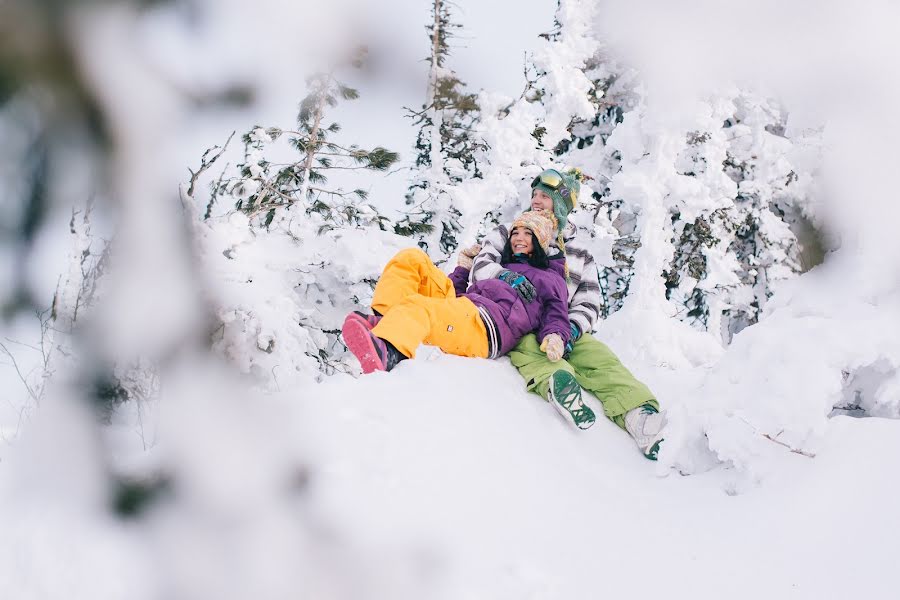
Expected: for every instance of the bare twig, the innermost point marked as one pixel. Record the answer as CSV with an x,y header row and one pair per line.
x,y
275,377
206,163
141,423
23,344
794,450
340,193
15,364
215,192
769,437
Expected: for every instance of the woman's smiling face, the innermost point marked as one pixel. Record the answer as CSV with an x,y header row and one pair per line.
x,y
522,241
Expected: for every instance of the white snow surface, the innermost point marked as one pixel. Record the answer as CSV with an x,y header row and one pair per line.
x,y
522,505
441,479
446,478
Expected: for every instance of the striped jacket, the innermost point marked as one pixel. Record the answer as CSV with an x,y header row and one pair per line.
x,y
583,283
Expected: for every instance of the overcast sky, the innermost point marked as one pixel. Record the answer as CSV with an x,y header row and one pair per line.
x,y
488,53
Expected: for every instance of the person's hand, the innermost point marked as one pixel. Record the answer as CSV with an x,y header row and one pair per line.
x,y
520,283
553,347
467,256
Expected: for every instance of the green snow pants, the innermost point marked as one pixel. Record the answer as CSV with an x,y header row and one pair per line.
x,y
594,366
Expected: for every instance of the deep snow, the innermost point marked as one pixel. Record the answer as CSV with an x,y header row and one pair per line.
x,y
444,479
454,455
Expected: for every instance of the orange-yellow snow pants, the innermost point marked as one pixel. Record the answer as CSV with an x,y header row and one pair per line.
x,y
420,305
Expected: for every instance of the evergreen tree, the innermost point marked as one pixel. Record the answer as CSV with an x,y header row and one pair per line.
x,y
613,95
734,245
446,146
261,187
520,134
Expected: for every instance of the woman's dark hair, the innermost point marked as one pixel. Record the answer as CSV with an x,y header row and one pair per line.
x,y
537,259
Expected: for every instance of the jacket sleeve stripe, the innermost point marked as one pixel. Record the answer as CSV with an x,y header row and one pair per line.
x,y
487,264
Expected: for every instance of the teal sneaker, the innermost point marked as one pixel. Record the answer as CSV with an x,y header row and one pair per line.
x,y
565,396
645,424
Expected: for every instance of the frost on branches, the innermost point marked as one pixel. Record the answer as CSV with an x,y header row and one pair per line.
x,y
281,293
519,134
732,193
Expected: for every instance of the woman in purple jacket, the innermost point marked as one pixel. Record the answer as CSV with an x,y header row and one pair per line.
x,y
415,302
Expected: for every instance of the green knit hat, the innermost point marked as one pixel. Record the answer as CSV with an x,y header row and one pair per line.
x,y
563,189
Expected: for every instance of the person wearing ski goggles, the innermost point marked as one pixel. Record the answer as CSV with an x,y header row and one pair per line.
x,y
587,362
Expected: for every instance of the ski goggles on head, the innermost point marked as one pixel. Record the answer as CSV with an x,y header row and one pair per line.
x,y
554,181
551,178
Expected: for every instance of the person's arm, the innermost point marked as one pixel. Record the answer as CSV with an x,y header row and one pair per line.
x,y
584,303
460,279
554,313
487,263
460,275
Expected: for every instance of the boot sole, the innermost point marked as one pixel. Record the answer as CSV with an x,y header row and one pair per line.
x,y
649,445
653,452
359,341
359,318
562,410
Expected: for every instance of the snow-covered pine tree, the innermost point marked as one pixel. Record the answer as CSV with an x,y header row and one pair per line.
x,y
446,146
751,236
520,133
262,186
613,94
733,241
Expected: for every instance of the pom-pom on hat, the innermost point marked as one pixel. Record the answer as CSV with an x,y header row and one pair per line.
x,y
541,223
563,188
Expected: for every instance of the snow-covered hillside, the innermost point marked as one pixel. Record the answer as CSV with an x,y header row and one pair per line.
x,y
445,479
450,456
193,427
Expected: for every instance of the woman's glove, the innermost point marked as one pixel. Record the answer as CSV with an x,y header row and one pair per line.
x,y
520,283
553,347
467,256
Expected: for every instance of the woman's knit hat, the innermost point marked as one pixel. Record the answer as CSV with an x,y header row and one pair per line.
x,y
563,188
541,223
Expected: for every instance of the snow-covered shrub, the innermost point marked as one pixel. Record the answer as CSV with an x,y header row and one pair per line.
x,y
281,293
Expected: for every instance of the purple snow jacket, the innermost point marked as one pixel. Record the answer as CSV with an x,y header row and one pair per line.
x,y
507,317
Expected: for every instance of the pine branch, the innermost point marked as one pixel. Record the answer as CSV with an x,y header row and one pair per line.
x,y
340,193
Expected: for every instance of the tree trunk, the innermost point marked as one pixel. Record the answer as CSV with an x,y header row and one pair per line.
x,y
435,115
313,142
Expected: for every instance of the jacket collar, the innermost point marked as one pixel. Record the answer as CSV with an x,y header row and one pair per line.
x,y
558,265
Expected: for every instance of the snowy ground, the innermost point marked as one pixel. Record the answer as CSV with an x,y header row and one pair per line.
x,y
450,481
454,453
